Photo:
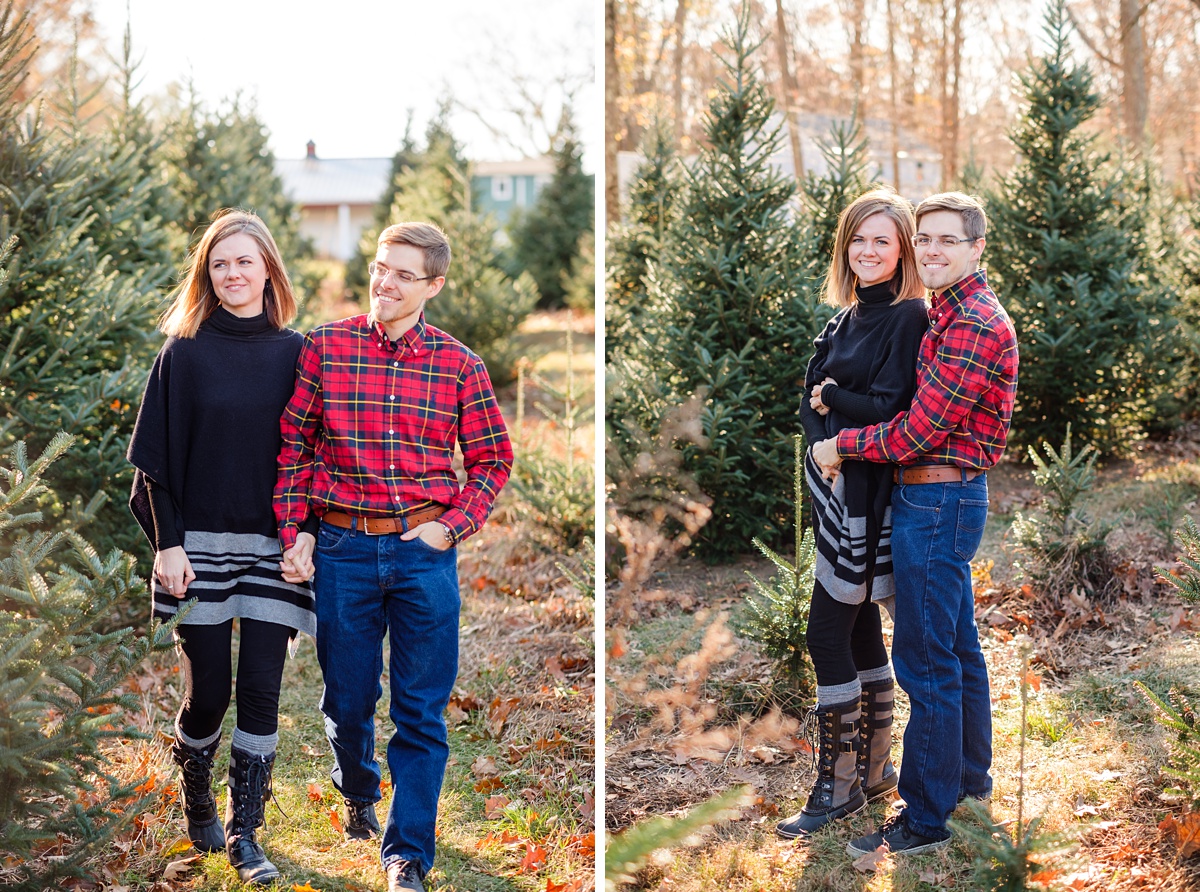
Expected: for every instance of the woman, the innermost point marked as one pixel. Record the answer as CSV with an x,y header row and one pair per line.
x,y
205,447
863,372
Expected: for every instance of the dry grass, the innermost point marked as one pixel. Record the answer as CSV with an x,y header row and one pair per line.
x,y
1093,753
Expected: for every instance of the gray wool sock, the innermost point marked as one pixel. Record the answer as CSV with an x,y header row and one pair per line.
x,y
881,673
255,744
196,744
834,695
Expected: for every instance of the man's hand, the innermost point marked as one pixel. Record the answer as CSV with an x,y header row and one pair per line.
x,y
174,571
297,564
826,456
432,533
815,397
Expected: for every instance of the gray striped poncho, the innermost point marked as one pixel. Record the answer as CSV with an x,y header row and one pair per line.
x,y
207,434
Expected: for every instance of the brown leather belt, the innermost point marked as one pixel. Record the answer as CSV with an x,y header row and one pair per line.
x,y
379,526
933,474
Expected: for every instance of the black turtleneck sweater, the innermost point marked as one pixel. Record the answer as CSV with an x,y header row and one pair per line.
x,y
870,350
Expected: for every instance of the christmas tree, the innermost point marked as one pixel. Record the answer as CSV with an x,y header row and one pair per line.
x,y
729,318
1063,255
61,694
545,241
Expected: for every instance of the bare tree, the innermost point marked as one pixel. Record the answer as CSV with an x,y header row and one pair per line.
x,y
791,90
612,95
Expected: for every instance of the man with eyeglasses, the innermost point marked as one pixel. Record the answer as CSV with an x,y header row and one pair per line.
x,y
368,447
956,429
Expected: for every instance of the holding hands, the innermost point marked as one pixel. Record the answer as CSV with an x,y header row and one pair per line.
x,y
297,563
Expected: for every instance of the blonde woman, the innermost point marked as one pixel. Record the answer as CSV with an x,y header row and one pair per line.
x,y
862,372
205,447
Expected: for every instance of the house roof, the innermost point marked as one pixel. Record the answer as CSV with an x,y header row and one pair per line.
x,y
330,181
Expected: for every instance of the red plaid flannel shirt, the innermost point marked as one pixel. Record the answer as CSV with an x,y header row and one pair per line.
x,y
966,384
371,428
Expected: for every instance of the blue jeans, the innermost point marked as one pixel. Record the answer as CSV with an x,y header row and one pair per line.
x,y
366,586
936,529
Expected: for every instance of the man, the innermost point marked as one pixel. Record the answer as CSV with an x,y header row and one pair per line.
x,y
954,431
368,445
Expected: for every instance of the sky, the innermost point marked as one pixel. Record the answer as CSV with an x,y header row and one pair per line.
x,y
345,74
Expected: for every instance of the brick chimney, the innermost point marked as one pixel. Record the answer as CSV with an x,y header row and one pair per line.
x,y
311,151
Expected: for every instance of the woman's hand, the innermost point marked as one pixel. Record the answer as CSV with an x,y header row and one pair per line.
x,y
297,563
174,571
815,400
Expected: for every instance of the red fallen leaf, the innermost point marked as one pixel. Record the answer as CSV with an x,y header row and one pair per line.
x,y
1046,876
498,713
314,792
493,806
1185,832
1033,680
535,858
616,648
384,785
480,583
586,844
489,785
588,810
298,887
554,667
335,819
572,886
148,786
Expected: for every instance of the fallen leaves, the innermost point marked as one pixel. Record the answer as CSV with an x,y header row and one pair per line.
x,y
1184,832
493,806
178,868
874,862
315,793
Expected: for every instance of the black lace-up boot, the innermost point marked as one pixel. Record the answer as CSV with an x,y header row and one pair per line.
x,y
876,771
837,791
199,806
249,790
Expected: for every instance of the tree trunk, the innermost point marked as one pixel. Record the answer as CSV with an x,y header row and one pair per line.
x,y
681,10
952,112
893,96
791,90
858,55
612,127
1133,73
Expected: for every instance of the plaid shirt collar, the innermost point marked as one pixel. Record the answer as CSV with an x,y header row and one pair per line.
x,y
411,343
952,298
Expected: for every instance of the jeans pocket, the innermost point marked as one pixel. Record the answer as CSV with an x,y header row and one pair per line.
x,y
920,497
972,515
421,543
331,538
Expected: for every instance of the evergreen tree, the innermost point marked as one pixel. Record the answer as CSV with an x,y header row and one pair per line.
x,y
635,243
85,258
407,157
61,696
728,318
579,284
219,158
545,240
480,304
824,197
1064,257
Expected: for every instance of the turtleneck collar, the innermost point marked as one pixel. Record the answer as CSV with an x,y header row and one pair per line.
x,y
874,295
225,322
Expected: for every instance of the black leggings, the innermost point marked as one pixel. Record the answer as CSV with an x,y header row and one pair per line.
x,y
843,638
206,653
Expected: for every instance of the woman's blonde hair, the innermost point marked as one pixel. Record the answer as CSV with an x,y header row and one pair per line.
x,y
838,290
195,300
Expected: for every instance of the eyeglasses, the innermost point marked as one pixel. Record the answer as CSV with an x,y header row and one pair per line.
x,y
944,241
402,276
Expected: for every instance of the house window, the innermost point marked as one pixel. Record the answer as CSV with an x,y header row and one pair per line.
x,y
502,188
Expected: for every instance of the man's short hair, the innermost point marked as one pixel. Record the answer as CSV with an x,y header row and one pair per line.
x,y
969,207
426,236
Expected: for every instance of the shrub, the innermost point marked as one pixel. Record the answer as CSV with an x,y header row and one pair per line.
x,y
1063,550
61,697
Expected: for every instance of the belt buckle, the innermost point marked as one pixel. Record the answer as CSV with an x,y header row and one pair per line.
x,y
366,527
